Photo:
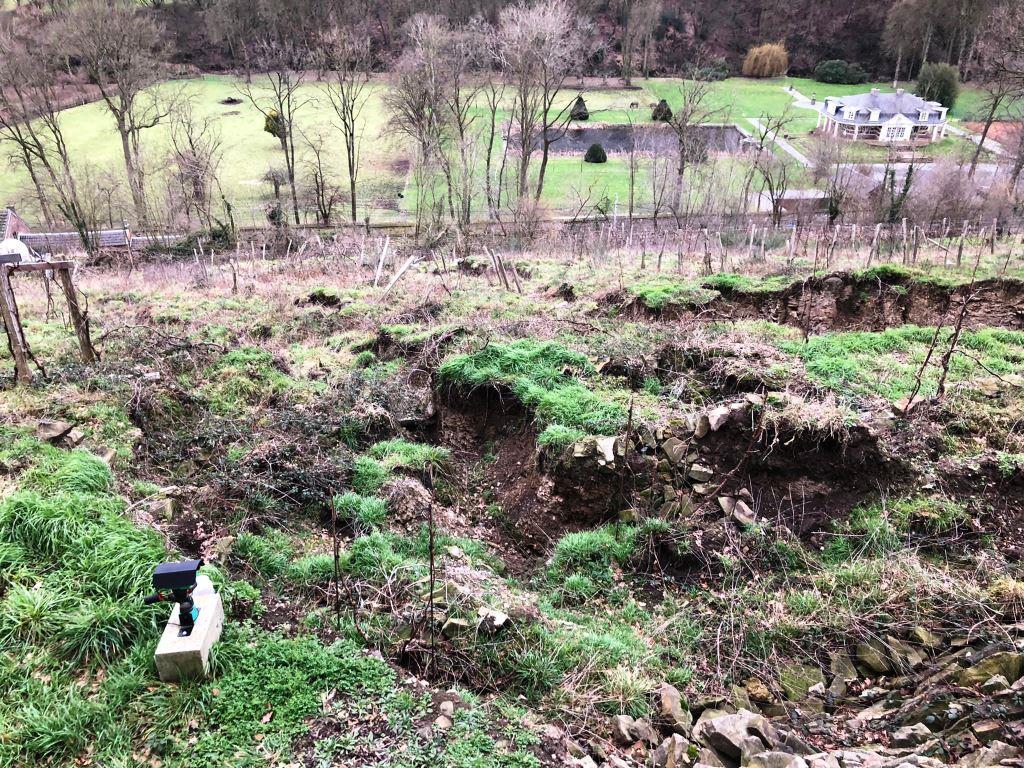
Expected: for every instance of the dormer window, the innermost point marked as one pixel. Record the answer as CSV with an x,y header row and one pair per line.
x,y
875,115
923,115
849,113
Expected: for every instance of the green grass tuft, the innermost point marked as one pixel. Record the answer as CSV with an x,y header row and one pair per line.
x,y
544,376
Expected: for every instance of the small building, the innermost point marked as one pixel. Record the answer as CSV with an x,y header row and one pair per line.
x,y
884,118
11,224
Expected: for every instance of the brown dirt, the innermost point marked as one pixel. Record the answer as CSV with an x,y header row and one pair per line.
x,y
492,438
844,302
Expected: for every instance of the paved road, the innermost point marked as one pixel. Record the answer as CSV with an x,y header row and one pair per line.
x,y
784,145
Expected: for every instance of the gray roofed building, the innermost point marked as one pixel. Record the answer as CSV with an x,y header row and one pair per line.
x,y
886,118
66,242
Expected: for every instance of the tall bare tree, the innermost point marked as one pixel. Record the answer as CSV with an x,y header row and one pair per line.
x,y
691,109
279,97
196,155
539,45
349,61
120,47
31,122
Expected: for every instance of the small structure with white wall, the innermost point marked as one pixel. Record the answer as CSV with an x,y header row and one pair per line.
x,y
884,118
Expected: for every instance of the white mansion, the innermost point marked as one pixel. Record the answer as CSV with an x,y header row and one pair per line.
x,y
887,118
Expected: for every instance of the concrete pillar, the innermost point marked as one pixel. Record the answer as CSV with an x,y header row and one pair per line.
x,y
181,658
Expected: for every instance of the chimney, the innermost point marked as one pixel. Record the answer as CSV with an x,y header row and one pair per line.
x,y
899,91
874,91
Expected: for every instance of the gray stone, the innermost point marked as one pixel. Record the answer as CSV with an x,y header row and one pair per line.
x,y
491,620
1009,664
702,427
729,734
797,679
874,657
988,730
443,723
707,756
606,449
717,417
989,756
622,729
643,731
672,710
673,752
776,760
675,449
995,684
701,473
903,655
743,515
911,735
51,430
454,627
923,636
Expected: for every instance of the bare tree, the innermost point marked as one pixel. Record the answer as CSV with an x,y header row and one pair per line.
x,y
831,171
30,120
1001,56
538,46
279,97
769,166
119,48
416,104
196,155
349,62
692,109
324,194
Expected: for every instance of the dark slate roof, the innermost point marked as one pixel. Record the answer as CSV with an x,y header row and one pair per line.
x,y
888,105
62,242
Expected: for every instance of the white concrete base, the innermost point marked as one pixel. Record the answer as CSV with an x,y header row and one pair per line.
x,y
180,658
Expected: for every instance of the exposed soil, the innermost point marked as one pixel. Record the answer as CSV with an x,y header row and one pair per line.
x,y
844,302
537,500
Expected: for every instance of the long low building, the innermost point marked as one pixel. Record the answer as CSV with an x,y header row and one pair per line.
x,y
885,118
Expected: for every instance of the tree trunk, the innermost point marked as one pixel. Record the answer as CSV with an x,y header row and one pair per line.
x,y
134,177
984,133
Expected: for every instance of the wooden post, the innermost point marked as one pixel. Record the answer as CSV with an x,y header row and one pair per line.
x,y
15,334
78,321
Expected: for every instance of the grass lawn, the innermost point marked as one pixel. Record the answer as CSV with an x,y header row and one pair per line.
x,y
248,151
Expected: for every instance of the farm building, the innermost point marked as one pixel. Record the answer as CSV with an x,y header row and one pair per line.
x,y
885,118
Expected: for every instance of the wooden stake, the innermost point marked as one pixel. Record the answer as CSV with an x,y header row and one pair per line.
x,y
78,320
15,334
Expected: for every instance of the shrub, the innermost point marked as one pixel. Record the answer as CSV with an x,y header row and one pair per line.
x,y
839,71
579,110
590,554
398,453
595,154
662,112
268,555
273,124
367,511
766,60
715,71
939,82
368,475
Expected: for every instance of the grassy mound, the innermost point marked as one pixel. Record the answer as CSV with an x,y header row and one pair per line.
x,y
546,377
